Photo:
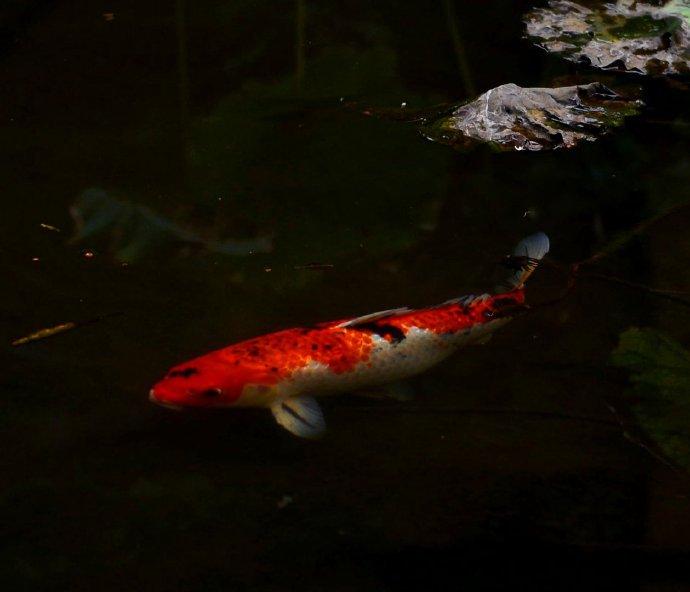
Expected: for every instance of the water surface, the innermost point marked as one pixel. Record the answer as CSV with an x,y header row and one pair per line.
x,y
242,121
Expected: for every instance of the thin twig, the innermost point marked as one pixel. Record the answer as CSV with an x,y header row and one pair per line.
x,y
459,48
47,332
637,442
672,295
300,45
479,411
621,241
182,75
679,123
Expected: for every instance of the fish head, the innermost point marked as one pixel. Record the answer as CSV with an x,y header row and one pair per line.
x,y
492,312
203,383
503,306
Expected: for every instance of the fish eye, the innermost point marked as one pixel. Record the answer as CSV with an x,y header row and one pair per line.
x,y
214,392
489,313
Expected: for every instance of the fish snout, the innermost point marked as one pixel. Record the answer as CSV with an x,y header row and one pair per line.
x,y
155,397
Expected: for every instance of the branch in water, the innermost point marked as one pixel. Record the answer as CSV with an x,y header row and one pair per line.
x,y
59,329
618,243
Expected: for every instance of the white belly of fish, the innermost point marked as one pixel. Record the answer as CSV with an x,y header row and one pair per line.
x,y
389,362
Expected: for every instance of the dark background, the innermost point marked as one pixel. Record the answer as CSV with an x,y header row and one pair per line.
x,y
242,121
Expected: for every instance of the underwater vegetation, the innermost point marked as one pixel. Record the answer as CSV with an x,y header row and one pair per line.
x,y
128,231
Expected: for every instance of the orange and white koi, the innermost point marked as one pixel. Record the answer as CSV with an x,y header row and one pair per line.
x,y
285,370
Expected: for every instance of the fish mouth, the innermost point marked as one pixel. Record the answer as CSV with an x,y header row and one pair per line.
x,y
153,399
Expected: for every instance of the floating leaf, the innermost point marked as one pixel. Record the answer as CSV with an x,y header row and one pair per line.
x,y
628,35
132,231
514,118
660,376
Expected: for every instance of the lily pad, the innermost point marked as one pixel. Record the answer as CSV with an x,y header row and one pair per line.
x,y
627,35
510,117
130,231
660,378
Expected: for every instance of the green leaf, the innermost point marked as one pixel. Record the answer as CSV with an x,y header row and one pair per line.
x,y
659,370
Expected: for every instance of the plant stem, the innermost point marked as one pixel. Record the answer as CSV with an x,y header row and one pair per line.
x,y
459,48
300,45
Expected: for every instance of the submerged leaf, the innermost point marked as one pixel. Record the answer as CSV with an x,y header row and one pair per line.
x,y
272,146
44,333
131,231
627,35
58,329
660,376
514,118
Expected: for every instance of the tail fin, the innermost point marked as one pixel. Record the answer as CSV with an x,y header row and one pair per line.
x,y
525,259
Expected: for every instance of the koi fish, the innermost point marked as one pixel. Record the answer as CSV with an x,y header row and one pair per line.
x,y
285,370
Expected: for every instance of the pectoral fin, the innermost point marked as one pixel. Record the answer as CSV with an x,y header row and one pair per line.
x,y
301,416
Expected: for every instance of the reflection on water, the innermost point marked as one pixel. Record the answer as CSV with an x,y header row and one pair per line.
x,y
509,464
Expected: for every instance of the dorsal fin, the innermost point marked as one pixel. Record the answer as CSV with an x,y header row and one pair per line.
x,y
374,316
465,300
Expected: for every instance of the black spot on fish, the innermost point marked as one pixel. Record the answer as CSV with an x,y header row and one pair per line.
x,y
186,373
274,369
396,334
315,347
210,393
506,306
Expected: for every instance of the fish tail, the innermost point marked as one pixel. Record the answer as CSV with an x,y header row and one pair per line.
x,y
525,259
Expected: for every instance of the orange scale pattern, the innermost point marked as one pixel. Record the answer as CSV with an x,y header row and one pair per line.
x,y
455,317
450,318
280,354
447,319
277,356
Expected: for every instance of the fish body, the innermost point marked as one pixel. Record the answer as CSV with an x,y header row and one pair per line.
x,y
285,370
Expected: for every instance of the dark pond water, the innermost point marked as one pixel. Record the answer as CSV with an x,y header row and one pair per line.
x,y
214,126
